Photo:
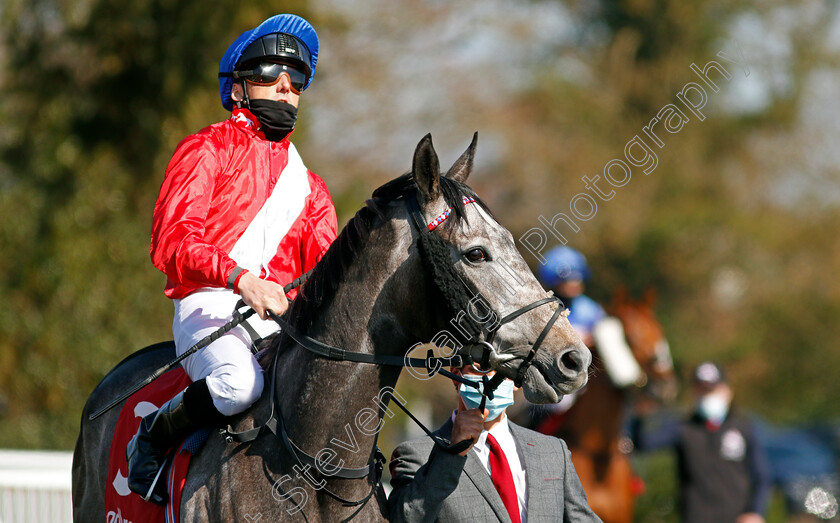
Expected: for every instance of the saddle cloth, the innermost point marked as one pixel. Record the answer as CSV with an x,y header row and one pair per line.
x,y
122,505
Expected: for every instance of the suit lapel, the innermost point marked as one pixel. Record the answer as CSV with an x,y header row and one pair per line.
x,y
482,481
479,477
533,471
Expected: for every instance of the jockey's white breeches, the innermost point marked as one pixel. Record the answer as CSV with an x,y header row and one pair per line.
x,y
233,376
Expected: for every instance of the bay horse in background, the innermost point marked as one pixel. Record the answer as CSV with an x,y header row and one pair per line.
x,y
388,283
592,426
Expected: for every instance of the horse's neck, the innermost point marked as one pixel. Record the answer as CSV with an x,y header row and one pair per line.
x,y
340,405
332,405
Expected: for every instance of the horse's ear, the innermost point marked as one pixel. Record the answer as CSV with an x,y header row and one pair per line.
x,y
426,169
462,168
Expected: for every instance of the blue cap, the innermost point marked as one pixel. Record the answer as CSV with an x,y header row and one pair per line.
x,y
562,264
286,24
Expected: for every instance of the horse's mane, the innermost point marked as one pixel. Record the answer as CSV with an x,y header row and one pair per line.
x,y
318,290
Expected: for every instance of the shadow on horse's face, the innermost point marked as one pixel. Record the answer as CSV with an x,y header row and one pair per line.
x,y
490,268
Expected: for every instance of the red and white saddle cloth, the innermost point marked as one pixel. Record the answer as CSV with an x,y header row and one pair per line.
x,y
122,505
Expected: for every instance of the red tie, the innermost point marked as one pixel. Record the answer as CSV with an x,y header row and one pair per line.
x,y
503,478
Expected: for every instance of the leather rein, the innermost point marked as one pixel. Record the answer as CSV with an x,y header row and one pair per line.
x,y
481,351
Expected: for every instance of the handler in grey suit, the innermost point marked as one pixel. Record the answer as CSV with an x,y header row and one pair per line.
x,y
430,484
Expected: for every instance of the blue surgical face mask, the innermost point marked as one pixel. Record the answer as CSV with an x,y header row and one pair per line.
x,y
502,397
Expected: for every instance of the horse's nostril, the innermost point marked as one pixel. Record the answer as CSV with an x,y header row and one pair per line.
x,y
572,361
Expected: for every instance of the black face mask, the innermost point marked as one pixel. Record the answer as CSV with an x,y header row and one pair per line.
x,y
277,119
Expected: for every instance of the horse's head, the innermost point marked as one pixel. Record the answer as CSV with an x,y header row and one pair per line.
x,y
484,300
647,340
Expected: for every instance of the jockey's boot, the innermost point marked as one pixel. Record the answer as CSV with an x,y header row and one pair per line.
x,y
161,430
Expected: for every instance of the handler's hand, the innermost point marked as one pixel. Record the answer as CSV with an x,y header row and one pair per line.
x,y
468,424
262,295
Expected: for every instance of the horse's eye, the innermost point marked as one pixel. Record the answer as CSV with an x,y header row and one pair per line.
x,y
476,255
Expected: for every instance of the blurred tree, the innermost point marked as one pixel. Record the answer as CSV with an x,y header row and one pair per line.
x,y
740,263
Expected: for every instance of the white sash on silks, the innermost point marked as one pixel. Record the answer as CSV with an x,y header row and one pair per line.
x,y
258,244
211,307
618,359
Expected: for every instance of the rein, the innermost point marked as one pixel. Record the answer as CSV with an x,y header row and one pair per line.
x,y
237,319
277,426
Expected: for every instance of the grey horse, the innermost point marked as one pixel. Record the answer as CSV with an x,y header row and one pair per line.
x,y
374,292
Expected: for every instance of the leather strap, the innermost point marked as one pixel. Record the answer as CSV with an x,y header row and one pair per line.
x,y
335,353
277,427
520,374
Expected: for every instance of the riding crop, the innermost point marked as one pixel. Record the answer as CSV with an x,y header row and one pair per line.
x,y
238,318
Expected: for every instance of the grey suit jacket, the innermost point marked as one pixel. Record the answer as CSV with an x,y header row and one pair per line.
x,y
432,485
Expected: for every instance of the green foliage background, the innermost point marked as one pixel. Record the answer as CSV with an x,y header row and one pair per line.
x,y
97,93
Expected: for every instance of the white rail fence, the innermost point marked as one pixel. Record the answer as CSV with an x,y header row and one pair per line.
x,y
35,486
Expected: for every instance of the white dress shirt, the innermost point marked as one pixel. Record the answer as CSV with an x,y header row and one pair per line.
x,y
501,431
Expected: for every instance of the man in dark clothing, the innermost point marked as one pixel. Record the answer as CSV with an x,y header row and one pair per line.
x,y
722,469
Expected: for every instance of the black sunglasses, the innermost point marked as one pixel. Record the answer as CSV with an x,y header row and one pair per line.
x,y
269,73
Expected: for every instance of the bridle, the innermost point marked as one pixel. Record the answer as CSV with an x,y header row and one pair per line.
x,y
482,338
480,350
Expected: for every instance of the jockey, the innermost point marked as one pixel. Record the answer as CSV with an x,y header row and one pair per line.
x,y
564,272
238,216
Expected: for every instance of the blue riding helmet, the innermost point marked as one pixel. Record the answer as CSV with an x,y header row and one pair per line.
x,y
584,313
293,25
562,264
